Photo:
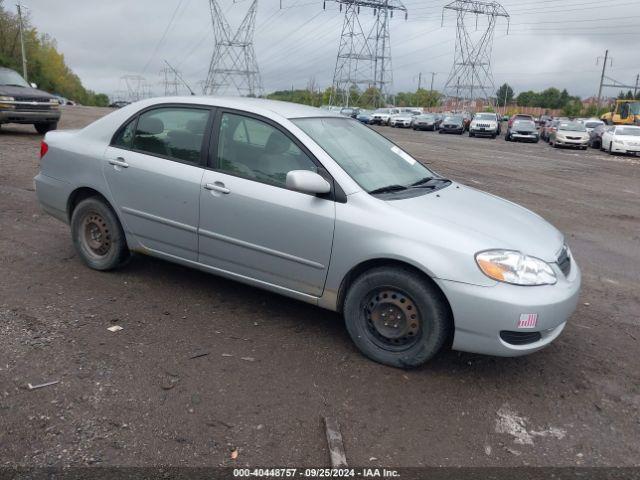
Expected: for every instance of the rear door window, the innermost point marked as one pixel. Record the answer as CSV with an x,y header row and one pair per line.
x,y
172,132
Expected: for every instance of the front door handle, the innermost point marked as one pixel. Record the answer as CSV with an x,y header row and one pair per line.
x,y
119,162
217,187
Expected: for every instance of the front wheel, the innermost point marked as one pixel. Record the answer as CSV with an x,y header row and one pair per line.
x,y
397,317
43,128
97,235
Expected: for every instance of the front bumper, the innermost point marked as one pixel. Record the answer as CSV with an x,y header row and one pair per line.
x,y
484,131
424,126
571,143
29,116
401,123
379,121
520,136
616,148
481,313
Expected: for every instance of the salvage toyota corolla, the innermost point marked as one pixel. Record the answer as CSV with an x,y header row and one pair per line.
x,y
312,205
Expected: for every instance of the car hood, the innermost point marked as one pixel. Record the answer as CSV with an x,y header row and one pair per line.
x,y
571,133
490,222
11,91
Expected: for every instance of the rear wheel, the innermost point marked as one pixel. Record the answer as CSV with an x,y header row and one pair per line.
x,y
97,235
396,317
43,128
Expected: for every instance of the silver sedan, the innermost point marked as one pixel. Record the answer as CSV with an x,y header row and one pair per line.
x,y
313,205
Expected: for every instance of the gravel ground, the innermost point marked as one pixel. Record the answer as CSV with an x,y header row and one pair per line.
x,y
275,366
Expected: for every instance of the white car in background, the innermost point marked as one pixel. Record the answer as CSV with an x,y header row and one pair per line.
x,y
484,124
402,119
621,139
382,115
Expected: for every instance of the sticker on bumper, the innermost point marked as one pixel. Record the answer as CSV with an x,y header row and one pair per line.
x,y
528,320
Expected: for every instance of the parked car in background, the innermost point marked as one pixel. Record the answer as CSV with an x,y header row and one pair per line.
x,y
318,207
382,115
426,121
484,124
591,123
621,139
349,112
549,127
119,104
569,134
520,116
365,116
522,131
595,136
23,103
402,119
452,124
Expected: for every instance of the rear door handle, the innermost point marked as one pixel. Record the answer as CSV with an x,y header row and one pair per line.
x,y
119,162
217,187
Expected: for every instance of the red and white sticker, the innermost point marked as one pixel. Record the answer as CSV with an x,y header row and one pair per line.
x,y
528,320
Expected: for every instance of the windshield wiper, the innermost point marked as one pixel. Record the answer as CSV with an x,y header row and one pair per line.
x,y
388,189
13,85
422,181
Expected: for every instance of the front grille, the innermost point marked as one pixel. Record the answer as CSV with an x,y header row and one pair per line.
x,y
564,261
520,338
522,132
31,99
574,138
483,125
40,106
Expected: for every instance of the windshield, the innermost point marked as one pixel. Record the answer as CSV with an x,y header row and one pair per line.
x,y
9,77
485,116
572,127
368,157
628,131
426,117
453,119
382,110
592,124
524,125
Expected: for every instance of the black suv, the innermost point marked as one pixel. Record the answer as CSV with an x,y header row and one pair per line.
x,y
21,103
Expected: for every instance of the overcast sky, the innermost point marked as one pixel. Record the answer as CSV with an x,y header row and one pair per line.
x,y
550,42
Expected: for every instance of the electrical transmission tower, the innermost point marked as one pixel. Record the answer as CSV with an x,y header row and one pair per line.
x,y
364,60
136,87
471,77
233,68
169,82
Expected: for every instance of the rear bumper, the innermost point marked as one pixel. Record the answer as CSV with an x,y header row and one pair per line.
x,y
481,313
29,116
53,195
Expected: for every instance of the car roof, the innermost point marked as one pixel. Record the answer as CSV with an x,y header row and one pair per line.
x,y
256,105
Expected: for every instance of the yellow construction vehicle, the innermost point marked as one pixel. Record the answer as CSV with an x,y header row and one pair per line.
x,y
626,112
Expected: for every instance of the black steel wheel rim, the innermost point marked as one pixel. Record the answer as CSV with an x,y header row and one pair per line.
x,y
393,320
95,235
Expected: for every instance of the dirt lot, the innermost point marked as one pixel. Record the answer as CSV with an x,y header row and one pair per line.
x,y
275,366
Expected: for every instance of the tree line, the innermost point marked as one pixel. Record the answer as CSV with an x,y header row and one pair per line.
x,y
45,64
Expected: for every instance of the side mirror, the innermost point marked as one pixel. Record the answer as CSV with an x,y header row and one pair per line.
x,y
306,181
33,85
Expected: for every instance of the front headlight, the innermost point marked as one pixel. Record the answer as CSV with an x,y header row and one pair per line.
x,y
7,99
513,267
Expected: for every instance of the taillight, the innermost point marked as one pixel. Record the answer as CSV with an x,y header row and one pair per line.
x,y
44,148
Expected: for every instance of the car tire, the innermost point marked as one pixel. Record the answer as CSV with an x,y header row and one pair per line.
x,y
43,128
611,148
471,135
97,235
440,132
423,317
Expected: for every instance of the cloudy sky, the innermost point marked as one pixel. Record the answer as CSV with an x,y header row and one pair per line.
x,y
550,42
